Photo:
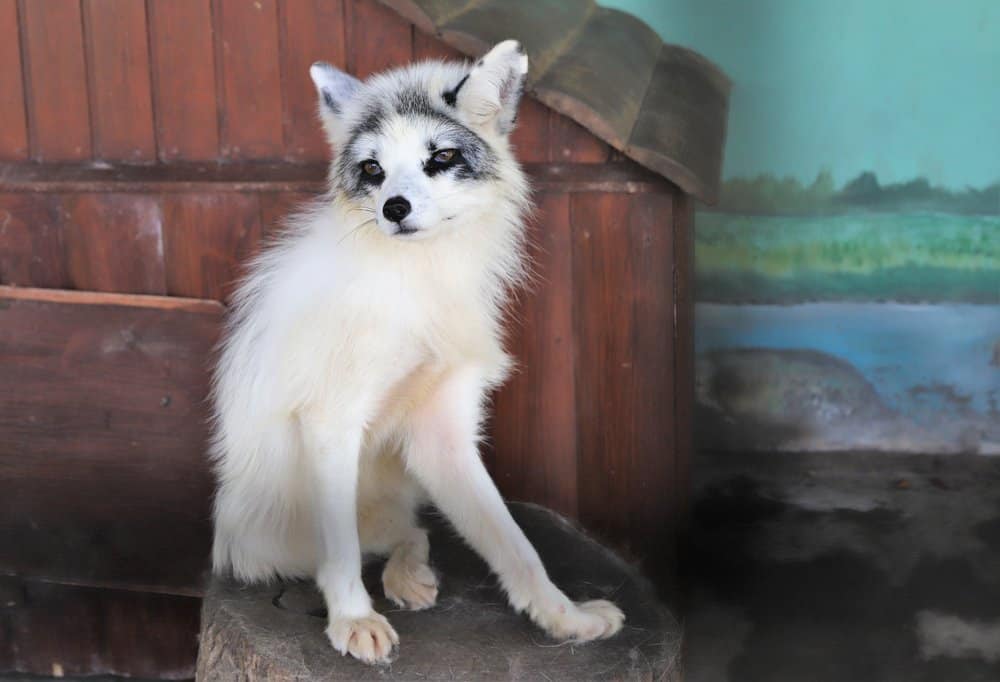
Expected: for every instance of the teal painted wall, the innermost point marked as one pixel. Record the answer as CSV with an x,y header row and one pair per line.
x,y
849,280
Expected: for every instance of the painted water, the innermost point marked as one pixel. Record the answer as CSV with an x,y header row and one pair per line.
x,y
933,370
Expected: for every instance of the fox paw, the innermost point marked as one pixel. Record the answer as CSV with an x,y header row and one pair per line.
x,y
410,583
369,639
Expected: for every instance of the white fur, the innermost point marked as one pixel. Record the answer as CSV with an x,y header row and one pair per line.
x,y
354,370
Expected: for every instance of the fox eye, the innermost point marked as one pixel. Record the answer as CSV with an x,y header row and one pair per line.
x,y
444,156
371,167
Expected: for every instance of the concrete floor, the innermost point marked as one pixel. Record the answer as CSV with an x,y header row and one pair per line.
x,y
844,568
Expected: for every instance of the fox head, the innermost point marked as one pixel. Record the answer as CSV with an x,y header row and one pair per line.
x,y
423,147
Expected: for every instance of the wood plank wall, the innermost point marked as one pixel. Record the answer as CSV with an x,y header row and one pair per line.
x,y
198,80
204,112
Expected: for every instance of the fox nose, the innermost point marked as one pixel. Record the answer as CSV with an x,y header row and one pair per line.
x,y
396,208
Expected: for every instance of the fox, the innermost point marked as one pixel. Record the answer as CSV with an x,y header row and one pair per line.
x,y
362,345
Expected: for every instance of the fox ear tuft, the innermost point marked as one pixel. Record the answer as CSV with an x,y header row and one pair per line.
x,y
489,95
335,89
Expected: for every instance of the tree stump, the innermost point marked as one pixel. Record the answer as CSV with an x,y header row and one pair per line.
x,y
276,631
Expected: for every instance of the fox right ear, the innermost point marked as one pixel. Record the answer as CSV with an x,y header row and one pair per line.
x,y
335,89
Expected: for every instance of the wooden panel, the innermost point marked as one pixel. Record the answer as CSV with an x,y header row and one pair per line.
x,y
120,93
114,243
570,142
377,38
275,207
534,427
102,438
61,630
13,127
206,237
312,30
623,319
601,76
248,67
32,252
684,355
184,87
530,138
426,46
58,110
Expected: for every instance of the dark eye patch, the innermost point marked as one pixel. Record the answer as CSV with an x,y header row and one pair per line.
x,y
437,164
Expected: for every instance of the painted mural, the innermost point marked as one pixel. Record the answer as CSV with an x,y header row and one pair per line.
x,y
849,280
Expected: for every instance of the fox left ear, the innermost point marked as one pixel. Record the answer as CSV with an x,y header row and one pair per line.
x,y
335,89
489,94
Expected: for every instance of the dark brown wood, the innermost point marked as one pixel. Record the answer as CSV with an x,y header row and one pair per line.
x,y
684,355
312,30
601,76
275,632
56,630
13,125
120,92
248,67
680,130
377,38
625,177
531,139
623,316
427,46
206,237
114,243
275,207
56,80
183,76
569,142
534,423
102,438
32,252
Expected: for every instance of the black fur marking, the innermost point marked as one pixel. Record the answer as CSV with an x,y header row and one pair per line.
x,y
330,104
451,96
474,160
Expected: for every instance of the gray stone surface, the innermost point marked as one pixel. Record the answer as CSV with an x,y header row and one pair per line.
x,y
848,567
276,632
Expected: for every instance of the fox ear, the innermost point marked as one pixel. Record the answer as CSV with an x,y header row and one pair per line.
x,y
335,89
490,93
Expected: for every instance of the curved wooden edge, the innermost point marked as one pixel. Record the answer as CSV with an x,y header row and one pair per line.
x,y
190,305
664,106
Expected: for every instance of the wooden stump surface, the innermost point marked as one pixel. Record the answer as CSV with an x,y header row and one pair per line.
x,y
276,632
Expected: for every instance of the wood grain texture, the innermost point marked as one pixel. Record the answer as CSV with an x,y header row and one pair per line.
x,y
32,250
102,439
602,74
248,67
275,207
13,124
377,38
623,318
625,177
114,243
570,142
426,46
530,138
534,423
120,92
206,238
183,74
56,88
72,630
684,354
312,30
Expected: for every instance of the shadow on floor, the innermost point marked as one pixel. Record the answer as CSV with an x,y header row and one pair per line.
x,y
844,568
